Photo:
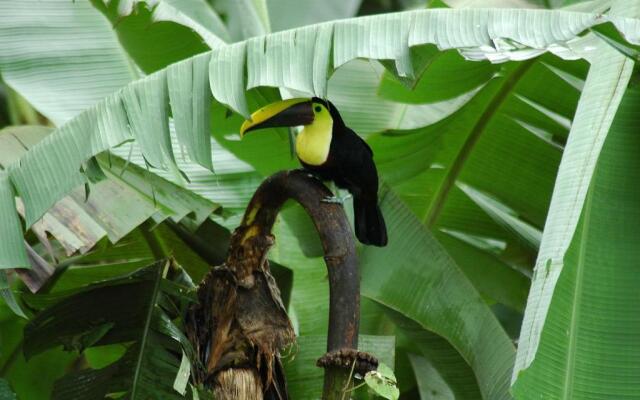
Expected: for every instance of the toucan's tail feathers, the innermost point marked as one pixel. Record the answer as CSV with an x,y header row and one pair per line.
x,y
369,222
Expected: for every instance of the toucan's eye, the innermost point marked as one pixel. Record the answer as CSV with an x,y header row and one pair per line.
x,y
318,108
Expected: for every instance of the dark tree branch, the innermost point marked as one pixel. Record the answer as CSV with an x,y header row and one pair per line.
x,y
340,257
240,317
337,242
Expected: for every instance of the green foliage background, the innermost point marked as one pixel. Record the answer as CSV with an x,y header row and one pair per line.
x,y
504,132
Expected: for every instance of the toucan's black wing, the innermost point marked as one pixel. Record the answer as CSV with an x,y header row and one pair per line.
x,y
352,162
355,170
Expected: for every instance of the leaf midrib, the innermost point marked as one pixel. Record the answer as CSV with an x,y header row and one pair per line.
x,y
436,206
145,332
574,318
483,387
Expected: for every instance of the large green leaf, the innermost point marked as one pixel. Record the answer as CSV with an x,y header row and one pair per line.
x,y
439,75
128,309
48,366
135,251
414,276
67,72
51,169
509,148
497,143
244,18
528,234
261,65
80,235
191,118
287,14
447,362
609,34
430,383
233,180
104,262
493,278
607,81
12,251
106,299
487,147
113,207
158,33
64,66
304,378
353,89
591,328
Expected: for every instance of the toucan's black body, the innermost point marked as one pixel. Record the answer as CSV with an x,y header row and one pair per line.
x,y
350,165
349,161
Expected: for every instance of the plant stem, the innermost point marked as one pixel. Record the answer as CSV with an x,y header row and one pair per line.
x,y
456,167
156,244
337,241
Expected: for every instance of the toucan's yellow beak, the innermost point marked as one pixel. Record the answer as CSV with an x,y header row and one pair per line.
x,y
292,112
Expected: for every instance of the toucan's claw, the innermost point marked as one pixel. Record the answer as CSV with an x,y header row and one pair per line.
x,y
335,199
332,200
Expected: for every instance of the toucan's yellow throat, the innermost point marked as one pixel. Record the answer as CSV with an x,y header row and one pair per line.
x,y
314,141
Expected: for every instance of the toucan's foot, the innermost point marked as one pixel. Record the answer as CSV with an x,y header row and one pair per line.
x,y
345,358
336,199
332,200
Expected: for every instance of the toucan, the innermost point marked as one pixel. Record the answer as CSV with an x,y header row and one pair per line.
x,y
329,150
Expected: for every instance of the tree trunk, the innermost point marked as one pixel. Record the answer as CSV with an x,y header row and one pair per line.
x,y
240,325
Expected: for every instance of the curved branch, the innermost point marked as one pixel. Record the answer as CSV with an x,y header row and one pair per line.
x,y
240,317
337,242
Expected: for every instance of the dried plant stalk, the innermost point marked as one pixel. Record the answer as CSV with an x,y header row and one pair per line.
x,y
240,325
